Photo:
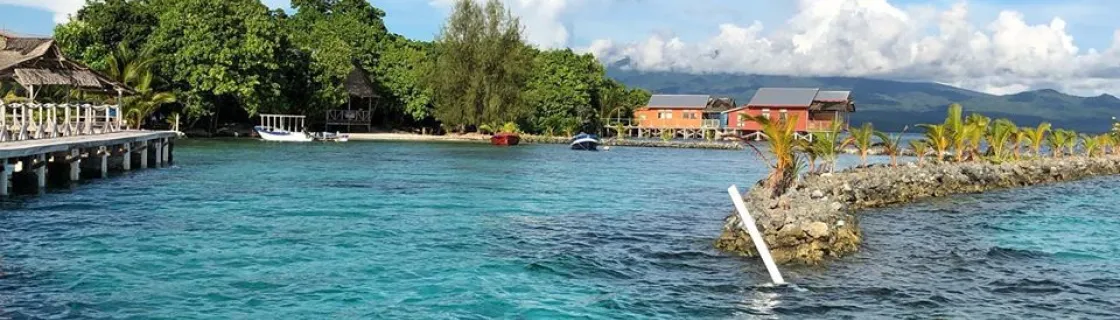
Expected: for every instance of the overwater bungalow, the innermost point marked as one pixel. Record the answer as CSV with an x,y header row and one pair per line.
x,y
695,116
814,109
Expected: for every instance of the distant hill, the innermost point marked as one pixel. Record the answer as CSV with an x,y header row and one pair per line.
x,y
892,105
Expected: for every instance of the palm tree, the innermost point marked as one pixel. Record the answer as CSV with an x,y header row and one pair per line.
x,y
825,145
135,70
1059,140
891,146
1037,136
780,137
1107,142
811,153
976,128
957,131
1092,145
1018,138
938,137
861,139
920,147
1071,140
1001,131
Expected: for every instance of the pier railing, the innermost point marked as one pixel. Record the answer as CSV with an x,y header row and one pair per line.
x,y
26,121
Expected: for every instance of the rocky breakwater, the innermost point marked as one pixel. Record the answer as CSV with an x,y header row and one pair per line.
x,y
816,218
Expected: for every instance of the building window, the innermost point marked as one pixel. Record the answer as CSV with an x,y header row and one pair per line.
x,y
665,115
782,116
766,113
690,115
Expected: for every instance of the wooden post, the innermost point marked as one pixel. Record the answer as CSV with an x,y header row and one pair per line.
x,y
144,154
126,164
166,149
104,152
5,177
158,151
41,171
75,164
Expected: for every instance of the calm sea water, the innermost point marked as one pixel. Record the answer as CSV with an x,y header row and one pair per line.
x,y
252,230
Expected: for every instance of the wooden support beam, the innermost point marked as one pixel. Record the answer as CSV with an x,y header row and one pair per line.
x,y
41,171
5,177
104,152
126,162
144,154
75,165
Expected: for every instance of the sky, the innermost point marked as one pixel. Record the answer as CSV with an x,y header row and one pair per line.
x,y
994,46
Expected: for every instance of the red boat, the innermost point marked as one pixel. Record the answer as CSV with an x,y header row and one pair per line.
x,y
505,139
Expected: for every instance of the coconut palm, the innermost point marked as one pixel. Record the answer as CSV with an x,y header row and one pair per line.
x,y
780,137
861,139
1037,136
1060,140
135,70
976,126
811,154
957,131
892,146
825,143
1071,141
938,137
1107,142
1000,132
1092,145
1018,139
920,148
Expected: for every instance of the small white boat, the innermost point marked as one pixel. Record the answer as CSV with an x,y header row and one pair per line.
x,y
332,136
583,141
273,134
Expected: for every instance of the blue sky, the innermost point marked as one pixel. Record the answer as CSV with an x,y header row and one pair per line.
x,y
997,46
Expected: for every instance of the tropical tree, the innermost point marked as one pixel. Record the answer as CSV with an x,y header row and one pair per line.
x,y
811,154
1092,145
892,146
1070,141
1019,138
1037,136
825,143
134,69
1107,143
780,136
957,131
939,138
1059,140
976,127
861,138
482,65
920,148
999,134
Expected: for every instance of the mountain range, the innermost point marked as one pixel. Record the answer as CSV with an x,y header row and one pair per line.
x,y
893,105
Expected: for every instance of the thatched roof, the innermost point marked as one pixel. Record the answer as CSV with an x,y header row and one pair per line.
x,y
39,62
359,84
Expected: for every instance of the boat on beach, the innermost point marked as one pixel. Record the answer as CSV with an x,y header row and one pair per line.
x,y
586,142
505,139
331,136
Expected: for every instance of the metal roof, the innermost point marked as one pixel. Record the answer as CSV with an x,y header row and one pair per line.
x,y
784,97
678,101
833,96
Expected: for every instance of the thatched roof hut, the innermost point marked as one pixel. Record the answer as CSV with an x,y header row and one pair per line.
x,y
358,83
33,62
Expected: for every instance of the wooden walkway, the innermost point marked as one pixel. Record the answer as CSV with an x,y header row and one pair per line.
x,y
25,164
24,148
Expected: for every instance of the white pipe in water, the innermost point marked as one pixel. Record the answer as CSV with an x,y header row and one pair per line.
x,y
748,222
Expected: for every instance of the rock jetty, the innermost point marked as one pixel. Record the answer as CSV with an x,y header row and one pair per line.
x,y
816,219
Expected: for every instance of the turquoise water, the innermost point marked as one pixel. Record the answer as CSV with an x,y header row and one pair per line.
x,y
252,230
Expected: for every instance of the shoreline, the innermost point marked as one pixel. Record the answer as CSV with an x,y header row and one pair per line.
x,y
818,217
536,139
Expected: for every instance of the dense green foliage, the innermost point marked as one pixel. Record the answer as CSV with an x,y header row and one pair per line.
x,y
228,60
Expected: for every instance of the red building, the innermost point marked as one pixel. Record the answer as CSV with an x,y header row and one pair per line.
x,y
813,109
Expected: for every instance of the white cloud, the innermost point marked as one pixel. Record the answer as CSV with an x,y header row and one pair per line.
x,y
62,9
876,38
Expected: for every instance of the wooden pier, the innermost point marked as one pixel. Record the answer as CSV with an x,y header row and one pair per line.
x,y
39,144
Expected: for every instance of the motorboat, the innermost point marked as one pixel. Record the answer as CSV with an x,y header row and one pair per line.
x,y
268,133
505,139
584,141
332,136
